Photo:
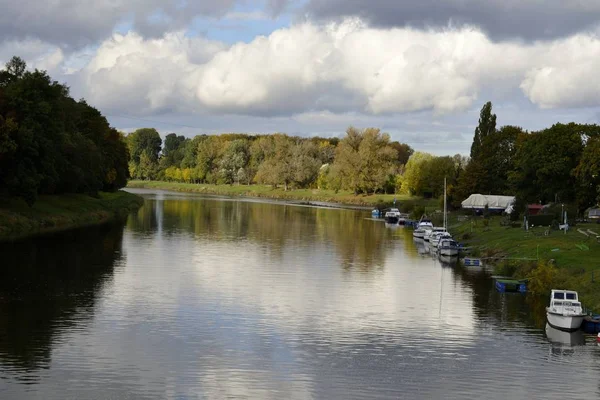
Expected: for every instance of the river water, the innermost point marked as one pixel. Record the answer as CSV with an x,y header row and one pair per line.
x,y
199,297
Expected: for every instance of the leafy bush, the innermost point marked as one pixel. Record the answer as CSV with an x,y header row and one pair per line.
x,y
543,278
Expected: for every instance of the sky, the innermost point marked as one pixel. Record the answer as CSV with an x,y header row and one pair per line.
x,y
418,70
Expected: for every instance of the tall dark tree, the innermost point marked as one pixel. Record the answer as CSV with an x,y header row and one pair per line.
x,y
404,151
487,126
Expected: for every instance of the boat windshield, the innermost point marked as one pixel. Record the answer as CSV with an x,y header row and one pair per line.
x,y
570,296
559,295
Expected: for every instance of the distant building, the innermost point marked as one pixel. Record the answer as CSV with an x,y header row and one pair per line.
x,y
594,213
534,209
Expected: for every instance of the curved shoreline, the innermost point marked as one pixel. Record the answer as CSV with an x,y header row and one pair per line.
x,y
58,213
322,198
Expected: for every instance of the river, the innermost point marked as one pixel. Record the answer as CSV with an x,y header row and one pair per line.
x,y
198,297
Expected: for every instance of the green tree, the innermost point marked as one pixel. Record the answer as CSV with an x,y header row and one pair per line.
x,y
277,168
172,151
545,162
365,160
144,139
234,158
587,173
413,180
50,143
404,152
487,126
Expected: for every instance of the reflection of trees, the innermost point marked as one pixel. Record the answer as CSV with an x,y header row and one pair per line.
x,y
359,243
47,284
273,225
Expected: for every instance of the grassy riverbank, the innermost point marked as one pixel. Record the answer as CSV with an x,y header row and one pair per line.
x,y
558,260
63,212
266,191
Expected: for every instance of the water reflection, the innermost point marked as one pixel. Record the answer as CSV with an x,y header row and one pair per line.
x,y
359,243
569,339
47,286
220,298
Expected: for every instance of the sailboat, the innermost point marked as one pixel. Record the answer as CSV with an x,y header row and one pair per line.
x,y
447,246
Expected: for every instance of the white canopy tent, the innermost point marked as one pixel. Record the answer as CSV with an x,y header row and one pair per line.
x,y
493,202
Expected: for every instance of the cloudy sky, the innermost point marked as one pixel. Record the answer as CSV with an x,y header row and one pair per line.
x,y
420,70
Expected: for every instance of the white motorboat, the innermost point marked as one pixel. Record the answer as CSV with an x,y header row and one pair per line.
x,y
436,236
448,247
392,216
565,312
419,233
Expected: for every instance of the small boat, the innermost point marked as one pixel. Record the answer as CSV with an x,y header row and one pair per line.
x,y
419,233
392,216
402,219
565,312
504,284
437,237
448,247
375,213
591,324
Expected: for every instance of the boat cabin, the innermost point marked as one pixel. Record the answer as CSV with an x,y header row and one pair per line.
x,y
564,301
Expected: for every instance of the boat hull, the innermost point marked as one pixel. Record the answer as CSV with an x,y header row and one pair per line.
x,y
391,220
568,323
448,252
418,235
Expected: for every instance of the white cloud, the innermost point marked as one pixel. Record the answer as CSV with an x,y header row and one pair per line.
x,y
566,75
336,68
139,75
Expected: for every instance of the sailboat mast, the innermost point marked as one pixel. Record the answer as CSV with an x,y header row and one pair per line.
x,y
445,218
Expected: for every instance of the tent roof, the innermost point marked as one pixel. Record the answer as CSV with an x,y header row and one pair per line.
x,y
492,201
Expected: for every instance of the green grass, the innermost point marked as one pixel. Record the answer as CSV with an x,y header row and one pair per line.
x,y
574,255
62,212
266,191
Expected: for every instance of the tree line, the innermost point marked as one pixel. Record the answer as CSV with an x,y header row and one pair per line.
x,y
364,161
52,144
560,163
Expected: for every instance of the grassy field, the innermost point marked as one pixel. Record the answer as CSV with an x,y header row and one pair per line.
x,y
56,213
266,191
570,260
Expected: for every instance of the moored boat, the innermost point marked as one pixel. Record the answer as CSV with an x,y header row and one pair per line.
x,y
419,233
565,311
448,247
392,216
437,237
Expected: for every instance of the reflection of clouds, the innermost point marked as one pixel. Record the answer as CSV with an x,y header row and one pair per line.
x,y
309,289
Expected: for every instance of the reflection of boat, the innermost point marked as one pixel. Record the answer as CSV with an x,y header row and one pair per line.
x,y
392,216
565,310
391,226
554,335
420,245
402,219
448,247
448,260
